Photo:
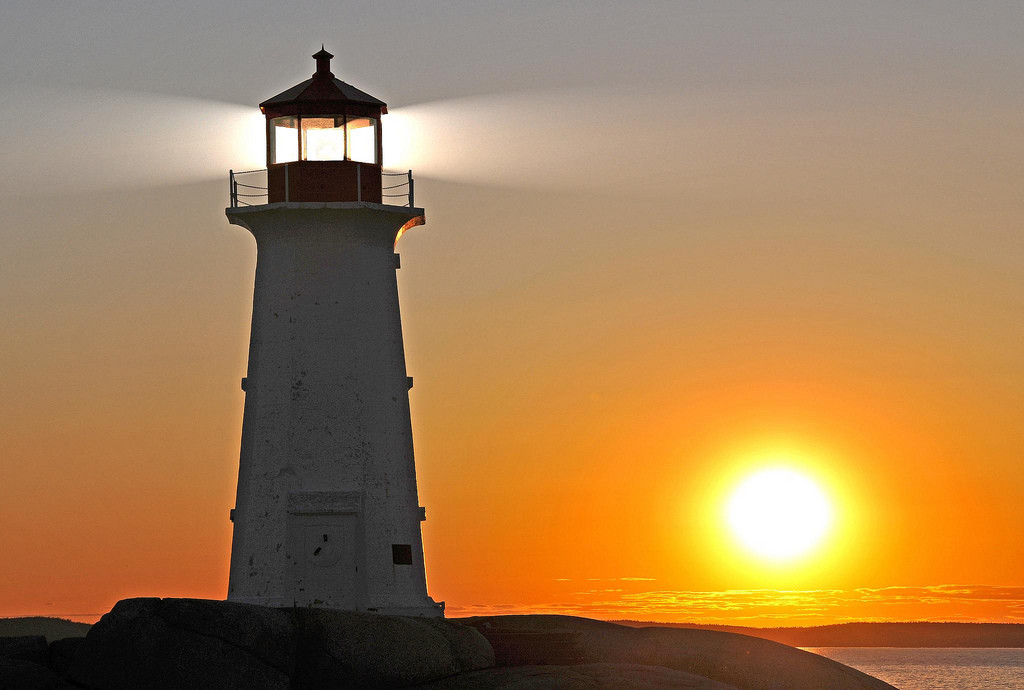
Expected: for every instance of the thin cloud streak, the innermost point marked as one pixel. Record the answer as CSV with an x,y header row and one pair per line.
x,y
750,606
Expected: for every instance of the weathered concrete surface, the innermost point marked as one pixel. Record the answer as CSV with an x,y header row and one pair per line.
x,y
197,644
610,676
737,660
327,512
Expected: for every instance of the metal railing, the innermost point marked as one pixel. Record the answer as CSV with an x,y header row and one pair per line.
x,y
245,188
251,194
393,184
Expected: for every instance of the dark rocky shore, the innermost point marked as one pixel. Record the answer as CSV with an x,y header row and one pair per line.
x,y
197,644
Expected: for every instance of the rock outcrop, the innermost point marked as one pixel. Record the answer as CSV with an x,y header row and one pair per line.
x,y
16,674
24,648
369,650
194,644
736,660
611,676
186,643
62,653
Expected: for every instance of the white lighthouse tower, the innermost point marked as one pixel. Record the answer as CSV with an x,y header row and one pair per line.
x,y
327,512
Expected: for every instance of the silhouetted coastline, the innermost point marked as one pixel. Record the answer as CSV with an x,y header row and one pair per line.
x,y
910,634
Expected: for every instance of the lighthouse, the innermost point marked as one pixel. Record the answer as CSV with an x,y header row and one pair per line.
x,y
327,512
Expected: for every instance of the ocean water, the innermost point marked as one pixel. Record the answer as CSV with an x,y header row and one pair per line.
x,y
935,668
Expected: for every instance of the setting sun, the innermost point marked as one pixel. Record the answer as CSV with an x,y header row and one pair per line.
x,y
779,513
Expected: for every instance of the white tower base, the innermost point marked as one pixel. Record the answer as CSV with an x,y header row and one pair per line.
x,y
327,512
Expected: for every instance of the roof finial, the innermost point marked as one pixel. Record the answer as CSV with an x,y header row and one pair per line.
x,y
323,61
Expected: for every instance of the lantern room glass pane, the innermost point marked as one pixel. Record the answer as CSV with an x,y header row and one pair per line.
x,y
362,139
284,140
323,138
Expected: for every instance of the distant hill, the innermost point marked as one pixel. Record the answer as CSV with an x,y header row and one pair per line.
x,y
52,628
873,634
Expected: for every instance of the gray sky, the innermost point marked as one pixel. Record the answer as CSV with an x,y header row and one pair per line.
x,y
418,51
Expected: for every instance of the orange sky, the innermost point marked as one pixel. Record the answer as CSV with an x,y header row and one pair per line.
x,y
608,328
579,415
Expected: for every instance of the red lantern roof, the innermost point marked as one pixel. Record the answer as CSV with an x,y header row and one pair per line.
x,y
321,93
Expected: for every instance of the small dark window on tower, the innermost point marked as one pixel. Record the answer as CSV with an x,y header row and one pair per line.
x,y
401,554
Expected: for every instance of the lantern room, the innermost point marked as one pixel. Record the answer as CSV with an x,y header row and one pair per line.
x,y
323,140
